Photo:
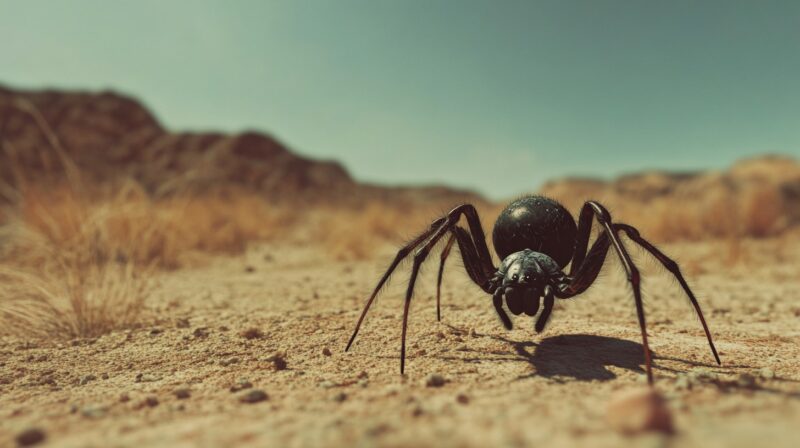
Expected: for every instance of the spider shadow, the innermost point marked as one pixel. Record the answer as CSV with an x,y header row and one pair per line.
x,y
576,356
579,356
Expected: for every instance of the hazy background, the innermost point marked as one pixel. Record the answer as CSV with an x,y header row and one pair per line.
x,y
495,96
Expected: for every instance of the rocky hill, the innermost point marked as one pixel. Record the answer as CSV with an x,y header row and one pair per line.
x,y
111,136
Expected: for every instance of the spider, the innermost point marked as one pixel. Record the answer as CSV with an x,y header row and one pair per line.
x,y
536,237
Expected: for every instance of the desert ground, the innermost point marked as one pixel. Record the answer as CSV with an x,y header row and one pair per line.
x,y
276,319
162,288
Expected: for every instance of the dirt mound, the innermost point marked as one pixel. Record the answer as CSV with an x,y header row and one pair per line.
x,y
110,137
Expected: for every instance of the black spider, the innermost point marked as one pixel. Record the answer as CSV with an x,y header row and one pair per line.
x,y
536,237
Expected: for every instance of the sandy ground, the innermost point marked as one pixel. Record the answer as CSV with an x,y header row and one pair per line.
x,y
503,388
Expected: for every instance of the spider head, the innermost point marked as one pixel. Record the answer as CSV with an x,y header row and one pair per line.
x,y
524,276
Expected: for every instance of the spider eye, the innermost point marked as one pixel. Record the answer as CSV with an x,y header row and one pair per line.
x,y
527,277
515,277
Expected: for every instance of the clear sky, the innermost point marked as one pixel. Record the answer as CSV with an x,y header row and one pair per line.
x,y
497,96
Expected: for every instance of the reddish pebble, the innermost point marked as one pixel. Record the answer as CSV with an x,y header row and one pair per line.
x,y
639,410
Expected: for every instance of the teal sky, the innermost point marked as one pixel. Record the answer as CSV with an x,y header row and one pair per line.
x,y
495,96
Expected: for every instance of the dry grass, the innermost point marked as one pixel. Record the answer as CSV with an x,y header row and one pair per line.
x,y
65,302
78,265
77,260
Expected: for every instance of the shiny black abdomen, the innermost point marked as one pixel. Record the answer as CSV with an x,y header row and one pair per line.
x,y
537,223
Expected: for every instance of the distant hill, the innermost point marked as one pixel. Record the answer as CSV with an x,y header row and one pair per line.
x,y
110,136
758,196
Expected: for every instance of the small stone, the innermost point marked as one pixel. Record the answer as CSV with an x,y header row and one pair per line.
x,y
241,385
746,380
683,382
182,393
182,322
638,410
435,380
340,397
146,378
462,398
253,396
93,411
229,361
278,361
767,373
30,437
104,376
155,331
151,401
201,332
252,333
86,379
326,351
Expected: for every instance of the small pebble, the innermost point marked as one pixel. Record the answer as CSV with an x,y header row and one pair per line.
x,y
182,322
746,380
30,437
146,378
229,361
278,361
155,331
151,401
462,398
340,397
435,380
326,384
252,333
253,396
326,351
86,379
241,385
766,373
182,393
638,410
93,411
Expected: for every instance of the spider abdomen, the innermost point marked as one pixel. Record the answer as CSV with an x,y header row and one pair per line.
x,y
536,223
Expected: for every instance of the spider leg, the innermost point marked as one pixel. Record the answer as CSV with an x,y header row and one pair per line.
x,y
673,267
443,258
479,269
401,254
497,299
549,301
582,276
602,215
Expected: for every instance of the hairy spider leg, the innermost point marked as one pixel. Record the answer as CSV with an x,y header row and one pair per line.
x,y
673,267
401,254
472,263
450,222
442,259
593,209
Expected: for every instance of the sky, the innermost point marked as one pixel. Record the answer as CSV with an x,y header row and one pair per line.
x,y
495,96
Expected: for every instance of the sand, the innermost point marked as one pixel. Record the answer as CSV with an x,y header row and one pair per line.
x,y
230,322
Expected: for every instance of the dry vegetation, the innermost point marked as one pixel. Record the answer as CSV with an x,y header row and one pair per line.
x,y
77,260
